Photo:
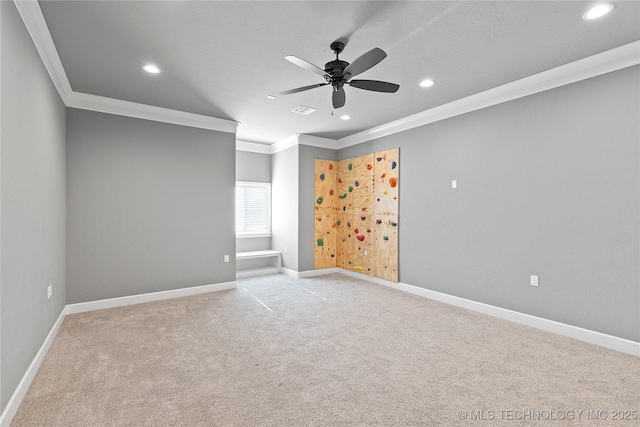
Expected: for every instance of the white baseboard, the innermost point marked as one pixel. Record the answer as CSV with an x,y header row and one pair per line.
x,y
16,399
25,382
142,298
586,335
308,273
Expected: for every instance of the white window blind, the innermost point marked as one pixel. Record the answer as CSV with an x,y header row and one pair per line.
x,y
253,209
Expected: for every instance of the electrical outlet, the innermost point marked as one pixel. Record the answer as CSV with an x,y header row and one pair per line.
x,y
49,291
226,258
534,280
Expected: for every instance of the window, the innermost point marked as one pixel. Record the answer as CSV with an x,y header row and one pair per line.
x,y
253,209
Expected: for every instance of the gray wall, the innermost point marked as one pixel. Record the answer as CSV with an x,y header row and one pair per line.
x,y
284,195
547,185
306,201
32,170
253,167
150,206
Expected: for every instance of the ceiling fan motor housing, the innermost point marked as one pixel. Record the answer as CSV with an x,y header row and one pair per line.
x,y
334,70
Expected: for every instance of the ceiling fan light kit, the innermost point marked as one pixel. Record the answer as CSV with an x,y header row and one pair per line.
x,y
337,73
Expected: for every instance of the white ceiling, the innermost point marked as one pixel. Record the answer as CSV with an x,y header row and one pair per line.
x,y
222,58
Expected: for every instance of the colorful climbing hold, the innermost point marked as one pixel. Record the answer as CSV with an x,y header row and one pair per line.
x,y
350,167
356,231
320,200
378,221
350,189
340,180
349,224
331,192
363,218
393,224
357,267
357,183
368,230
343,196
319,219
332,255
369,166
385,237
319,242
330,166
378,158
339,222
322,177
393,182
361,238
393,164
383,175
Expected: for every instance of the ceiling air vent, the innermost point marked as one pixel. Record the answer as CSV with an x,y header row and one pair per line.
x,y
301,109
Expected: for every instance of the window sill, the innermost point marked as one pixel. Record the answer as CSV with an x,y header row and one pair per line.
x,y
253,235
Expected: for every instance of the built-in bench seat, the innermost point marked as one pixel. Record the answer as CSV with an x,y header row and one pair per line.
x,y
245,268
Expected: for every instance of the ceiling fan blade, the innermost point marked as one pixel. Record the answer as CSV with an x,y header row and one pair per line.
x,y
306,65
364,62
303,88
374,85
339,97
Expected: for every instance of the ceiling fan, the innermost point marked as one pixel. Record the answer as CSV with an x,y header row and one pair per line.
x,y
337,73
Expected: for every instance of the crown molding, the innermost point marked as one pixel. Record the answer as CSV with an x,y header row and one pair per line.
x,y
283,144
148,112
592,66
602,63
33,19
316,141
36,25
252,147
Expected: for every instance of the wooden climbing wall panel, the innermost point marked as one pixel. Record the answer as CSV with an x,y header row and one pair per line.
x,y
325,235
356,214
386,182
325,187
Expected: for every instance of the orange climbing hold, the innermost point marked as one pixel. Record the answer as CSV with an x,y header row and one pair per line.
x,y
369,166
393,182
330,166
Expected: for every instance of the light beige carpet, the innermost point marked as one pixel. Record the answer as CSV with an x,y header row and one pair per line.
x,y
326,351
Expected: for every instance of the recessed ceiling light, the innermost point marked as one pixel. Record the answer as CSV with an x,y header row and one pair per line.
x,y
427,83
345,117
150,68
258,134
597,11
271,97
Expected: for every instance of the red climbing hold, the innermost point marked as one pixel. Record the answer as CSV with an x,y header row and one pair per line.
x,y
361,238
